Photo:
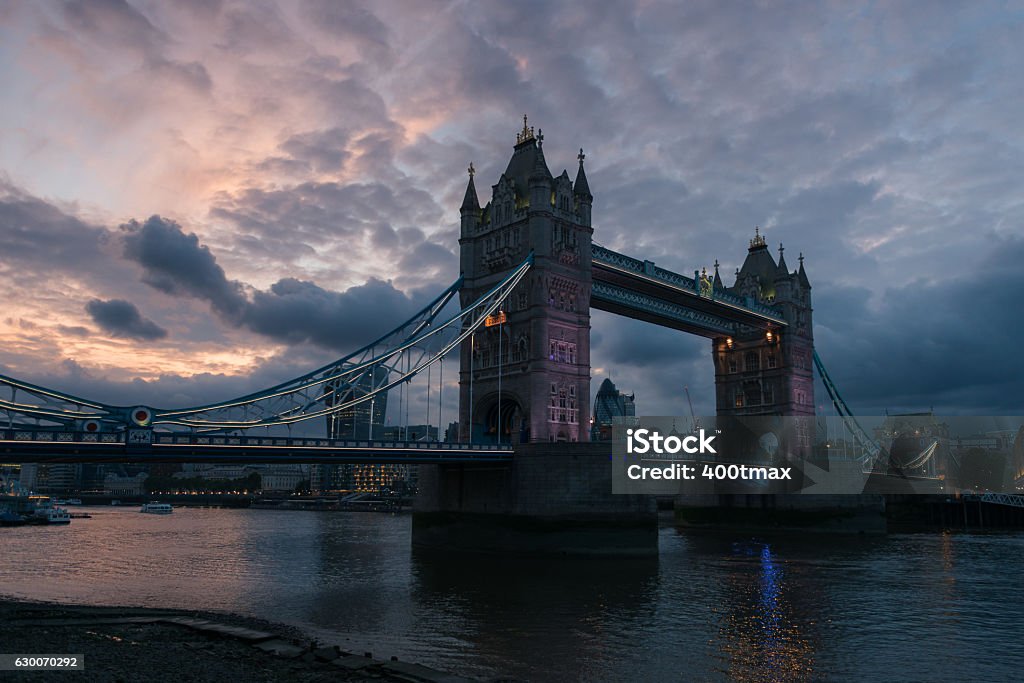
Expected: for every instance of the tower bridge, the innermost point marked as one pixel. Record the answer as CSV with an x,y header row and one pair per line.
x,y
530,275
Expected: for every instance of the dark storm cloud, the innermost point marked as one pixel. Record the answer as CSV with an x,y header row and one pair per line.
x,y
122,319
292,310
176,263
950,342
32,230
297,311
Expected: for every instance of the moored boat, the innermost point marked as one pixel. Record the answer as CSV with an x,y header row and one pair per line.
x,y
58,515
156,508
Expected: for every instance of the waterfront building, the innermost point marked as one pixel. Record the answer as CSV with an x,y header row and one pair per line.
x,y
281,478
27,476
193,471
57,479
117,485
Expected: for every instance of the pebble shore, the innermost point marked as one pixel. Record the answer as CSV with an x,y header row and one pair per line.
x,y
123,644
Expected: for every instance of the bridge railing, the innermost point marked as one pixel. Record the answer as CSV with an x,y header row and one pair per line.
x,y
159,439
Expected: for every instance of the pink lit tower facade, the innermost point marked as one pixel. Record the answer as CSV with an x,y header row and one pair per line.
x,y
527,377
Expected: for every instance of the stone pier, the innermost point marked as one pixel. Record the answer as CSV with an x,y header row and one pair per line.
x,y
553,498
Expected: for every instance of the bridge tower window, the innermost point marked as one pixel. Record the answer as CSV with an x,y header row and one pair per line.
x,y
752,361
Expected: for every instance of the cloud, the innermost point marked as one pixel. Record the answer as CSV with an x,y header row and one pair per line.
x,y
122,319
293,311
946,343
318,149
176,263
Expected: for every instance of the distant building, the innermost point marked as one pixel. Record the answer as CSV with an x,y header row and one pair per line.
x,y
361,421
281,477
410,433
116,485
451,435
192,471
609,404
57,479
27,476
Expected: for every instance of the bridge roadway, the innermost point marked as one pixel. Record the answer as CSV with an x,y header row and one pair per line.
x,y
31,445
639,289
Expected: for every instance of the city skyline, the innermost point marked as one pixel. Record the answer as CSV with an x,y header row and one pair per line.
x,y
306,162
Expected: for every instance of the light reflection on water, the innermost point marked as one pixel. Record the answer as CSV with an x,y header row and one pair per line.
x,y
710,607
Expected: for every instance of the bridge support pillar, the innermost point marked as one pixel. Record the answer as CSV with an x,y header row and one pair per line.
x,y
551,499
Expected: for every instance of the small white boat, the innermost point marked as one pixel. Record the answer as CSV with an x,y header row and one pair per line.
x,y
56,515
74,501
155,508
53,514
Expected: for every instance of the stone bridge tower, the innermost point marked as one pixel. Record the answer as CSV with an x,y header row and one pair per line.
x,y
527,376
770,372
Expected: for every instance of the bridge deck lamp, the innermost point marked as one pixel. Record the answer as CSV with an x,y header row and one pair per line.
x,y
728,342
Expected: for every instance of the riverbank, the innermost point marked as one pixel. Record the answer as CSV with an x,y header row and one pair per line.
x,y
138,644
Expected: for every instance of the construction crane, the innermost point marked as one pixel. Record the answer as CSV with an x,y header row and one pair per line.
x,y
696,422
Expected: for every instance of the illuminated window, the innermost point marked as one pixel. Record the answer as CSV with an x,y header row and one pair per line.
x,y
739,399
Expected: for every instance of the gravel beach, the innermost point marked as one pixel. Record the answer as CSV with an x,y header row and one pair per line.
x,y
135,644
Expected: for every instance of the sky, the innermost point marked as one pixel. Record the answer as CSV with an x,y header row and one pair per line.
x,y
199,199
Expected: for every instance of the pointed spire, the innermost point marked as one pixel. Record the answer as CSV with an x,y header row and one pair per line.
x,y
802,274
782,270
540,166
582,188
718,278
470,201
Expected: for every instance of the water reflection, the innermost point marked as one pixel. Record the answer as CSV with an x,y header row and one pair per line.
x,y
582,614
709,607
765,636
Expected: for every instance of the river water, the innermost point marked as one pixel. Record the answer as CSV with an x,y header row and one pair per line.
x,y
709,607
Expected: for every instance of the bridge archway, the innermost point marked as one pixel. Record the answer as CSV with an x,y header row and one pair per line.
x,y
502,421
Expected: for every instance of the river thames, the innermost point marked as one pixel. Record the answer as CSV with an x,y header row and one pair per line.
x,y
709,607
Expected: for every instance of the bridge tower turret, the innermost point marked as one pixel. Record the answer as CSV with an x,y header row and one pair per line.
x,y
768,372
526,376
